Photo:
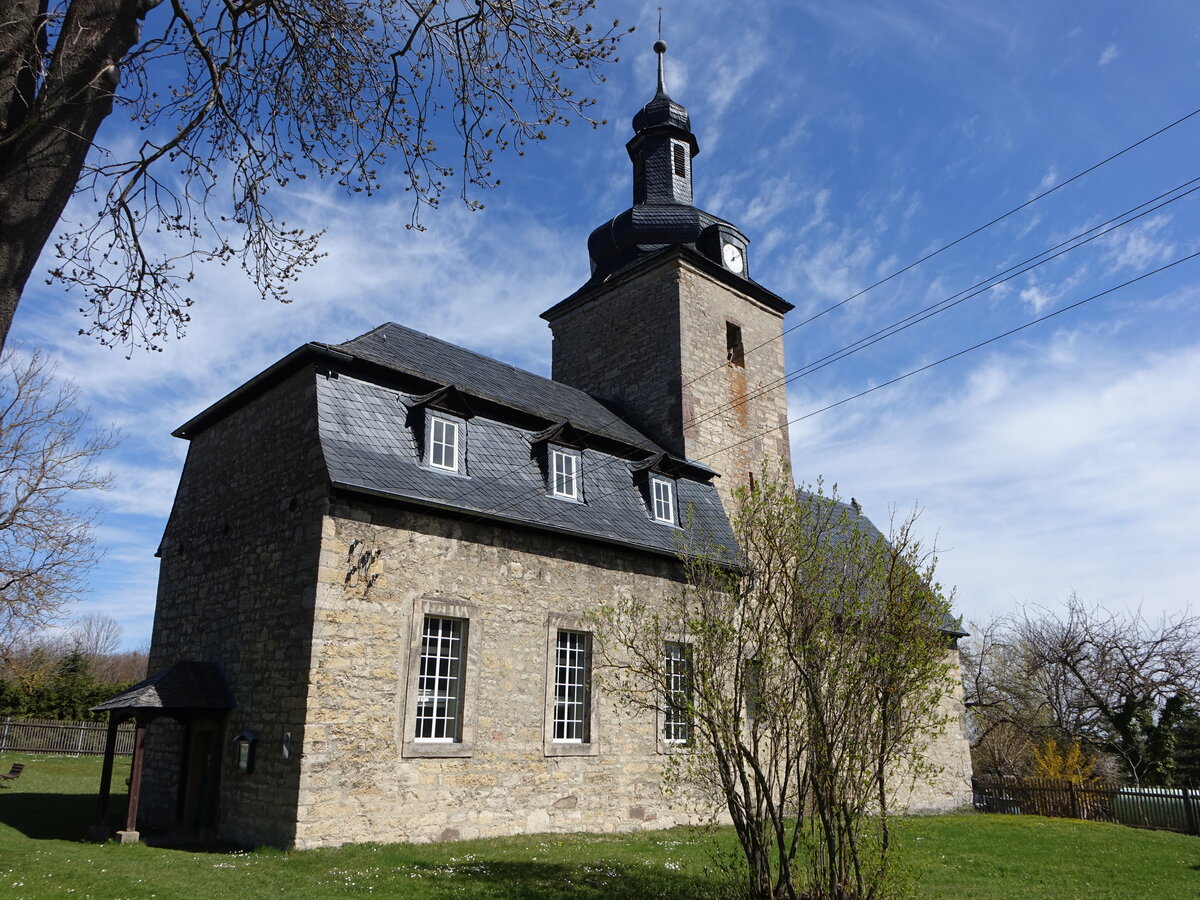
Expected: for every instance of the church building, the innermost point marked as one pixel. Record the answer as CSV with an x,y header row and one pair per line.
x,y
375,576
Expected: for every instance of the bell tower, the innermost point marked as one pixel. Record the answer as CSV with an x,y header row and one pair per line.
x,y
671,330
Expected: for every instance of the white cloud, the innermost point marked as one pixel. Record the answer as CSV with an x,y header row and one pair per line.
x,y
834,269
1047,472
1108,55
1037,298
1139,246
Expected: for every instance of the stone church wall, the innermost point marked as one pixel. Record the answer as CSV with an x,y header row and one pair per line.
x,y
735,416
624,347
380,569
236,588
946,781
359,783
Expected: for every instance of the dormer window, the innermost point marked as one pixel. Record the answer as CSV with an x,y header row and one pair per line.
x,y
564,473
444,442
558,452
662,499
439,424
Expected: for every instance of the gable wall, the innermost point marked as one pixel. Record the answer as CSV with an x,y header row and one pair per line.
x,y
236,588
357,785
942,782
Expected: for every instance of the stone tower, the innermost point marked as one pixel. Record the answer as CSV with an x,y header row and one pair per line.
x,y
671,330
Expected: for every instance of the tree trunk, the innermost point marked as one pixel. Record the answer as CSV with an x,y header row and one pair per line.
x,y
48,128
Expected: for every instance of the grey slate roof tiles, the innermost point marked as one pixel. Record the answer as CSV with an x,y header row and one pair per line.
x,y
369,445
182,685
414,353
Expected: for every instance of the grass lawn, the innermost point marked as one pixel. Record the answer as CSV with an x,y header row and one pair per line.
x,y
43,817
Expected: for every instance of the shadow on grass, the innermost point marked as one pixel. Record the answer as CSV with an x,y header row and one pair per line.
x,y
552,881
56,817
67,817
191,844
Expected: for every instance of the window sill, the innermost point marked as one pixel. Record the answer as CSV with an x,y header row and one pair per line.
x,y
452,473
436,750
562,748
669,748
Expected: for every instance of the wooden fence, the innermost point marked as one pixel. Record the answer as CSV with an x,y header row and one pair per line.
x,y
55,736
1172,809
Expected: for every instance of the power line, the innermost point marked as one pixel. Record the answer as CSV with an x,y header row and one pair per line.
x,y
910,266
615,459
944,359
1076,241
1058,250
959,240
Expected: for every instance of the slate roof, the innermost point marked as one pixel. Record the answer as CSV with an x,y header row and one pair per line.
x,y
405,350
850,515
641,230
370,445
183,685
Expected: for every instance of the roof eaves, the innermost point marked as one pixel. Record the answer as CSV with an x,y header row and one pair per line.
x,y
674,466
442,506
269,377
744,285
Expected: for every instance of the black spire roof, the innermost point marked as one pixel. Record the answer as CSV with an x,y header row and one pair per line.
x,y
663,214
662,110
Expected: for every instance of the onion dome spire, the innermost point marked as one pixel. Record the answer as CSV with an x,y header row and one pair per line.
x,y
662,146
663,213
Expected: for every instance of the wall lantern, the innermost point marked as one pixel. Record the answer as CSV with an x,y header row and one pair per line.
x,y
244,743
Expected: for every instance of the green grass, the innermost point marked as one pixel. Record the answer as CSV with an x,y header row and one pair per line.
x,y
44,815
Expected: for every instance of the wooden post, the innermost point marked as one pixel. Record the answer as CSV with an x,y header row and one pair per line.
x,y
130,834
1074,800
110,747
1189,811
100,831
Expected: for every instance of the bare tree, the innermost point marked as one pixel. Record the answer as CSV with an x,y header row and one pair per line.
x,y
234,98
1118,682
801,680
97,638
1009,698
96,635
124,666
48,455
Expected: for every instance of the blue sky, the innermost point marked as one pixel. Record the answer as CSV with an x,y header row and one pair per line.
x,y
846,140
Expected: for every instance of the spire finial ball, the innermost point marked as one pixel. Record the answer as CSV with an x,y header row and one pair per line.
x,y
659,46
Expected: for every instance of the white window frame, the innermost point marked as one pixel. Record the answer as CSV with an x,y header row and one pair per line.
x,y
462,742
571,479
440,679
662,499
586,743
459,429
675,726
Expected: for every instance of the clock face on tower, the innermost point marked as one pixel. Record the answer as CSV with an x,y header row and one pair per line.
x,y
732,254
